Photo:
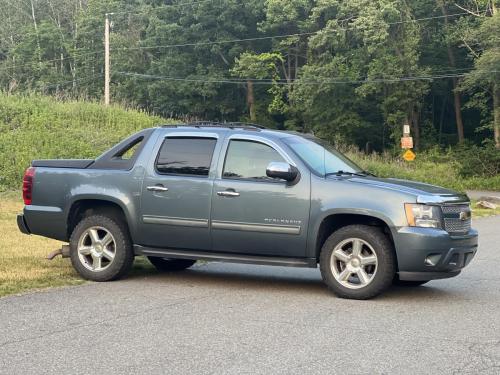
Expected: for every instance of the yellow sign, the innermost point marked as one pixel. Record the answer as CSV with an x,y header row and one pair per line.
x,y
406,142
409,155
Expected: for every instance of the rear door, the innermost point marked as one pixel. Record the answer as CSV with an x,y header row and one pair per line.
x,y
177,190
252,213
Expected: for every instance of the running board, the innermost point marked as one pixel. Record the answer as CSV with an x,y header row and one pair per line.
x,y
225,257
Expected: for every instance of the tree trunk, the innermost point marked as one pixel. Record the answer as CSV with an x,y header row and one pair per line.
x,y
496,114
251,101
441,118
39,50
456,95
458,112
496,99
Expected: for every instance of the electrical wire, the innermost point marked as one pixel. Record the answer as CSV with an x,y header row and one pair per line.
x,y
274,36
74,57
63,83
301,81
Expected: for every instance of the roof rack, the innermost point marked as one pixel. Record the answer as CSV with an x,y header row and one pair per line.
x,y
215,124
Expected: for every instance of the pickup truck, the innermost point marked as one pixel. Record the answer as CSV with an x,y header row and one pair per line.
x,y
241,193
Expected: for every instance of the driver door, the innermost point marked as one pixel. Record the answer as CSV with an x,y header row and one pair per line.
x,y
255,214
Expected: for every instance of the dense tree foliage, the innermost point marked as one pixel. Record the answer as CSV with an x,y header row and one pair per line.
x,y
352,71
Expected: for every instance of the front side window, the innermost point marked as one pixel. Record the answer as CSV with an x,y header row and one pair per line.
x,y
249,160
186,156
320,156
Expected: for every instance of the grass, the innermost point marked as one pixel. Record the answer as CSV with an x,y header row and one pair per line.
x,y
40,127
433,167
22,258
23,265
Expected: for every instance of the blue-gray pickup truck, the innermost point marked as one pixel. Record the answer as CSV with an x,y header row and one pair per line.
x,y
241,193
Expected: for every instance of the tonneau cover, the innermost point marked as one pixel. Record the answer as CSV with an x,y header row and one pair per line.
x,y
63,163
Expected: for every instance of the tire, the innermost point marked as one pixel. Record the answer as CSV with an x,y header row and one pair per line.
x,y
363,273
409,283
90,242
170,265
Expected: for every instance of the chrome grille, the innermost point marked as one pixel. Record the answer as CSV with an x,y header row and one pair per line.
x,y
452,221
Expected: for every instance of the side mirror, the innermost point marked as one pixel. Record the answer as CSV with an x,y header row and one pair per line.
x,y
282,170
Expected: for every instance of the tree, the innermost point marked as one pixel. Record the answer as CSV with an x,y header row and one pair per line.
x,y
456,92
483,44
253,67
362,56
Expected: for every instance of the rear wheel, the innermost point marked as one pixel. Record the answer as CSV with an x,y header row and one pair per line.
x,y
357,262
169,264
100,248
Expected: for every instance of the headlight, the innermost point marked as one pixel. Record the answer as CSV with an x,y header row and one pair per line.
x,y
421,215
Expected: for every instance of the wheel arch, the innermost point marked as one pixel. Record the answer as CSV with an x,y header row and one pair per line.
x,y
336,220
85,206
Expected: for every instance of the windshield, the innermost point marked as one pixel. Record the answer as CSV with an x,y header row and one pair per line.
x,y
320,156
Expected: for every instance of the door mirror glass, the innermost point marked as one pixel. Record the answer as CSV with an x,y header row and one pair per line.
x,y
281,170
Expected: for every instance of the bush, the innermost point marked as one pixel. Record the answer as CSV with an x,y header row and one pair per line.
x,y
479,161
435,166
37,127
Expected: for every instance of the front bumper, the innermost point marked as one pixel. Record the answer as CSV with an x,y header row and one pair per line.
x,y
427,254
21,223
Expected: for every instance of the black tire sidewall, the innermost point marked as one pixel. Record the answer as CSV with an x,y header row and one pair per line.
x,y
382,247
124,256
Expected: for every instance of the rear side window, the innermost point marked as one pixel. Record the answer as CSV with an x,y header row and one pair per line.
x,y
186,156
249,160
130,150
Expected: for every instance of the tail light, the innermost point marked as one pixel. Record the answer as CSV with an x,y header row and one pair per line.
x,y
28,181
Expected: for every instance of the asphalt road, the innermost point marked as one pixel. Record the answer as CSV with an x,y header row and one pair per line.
x,y
239,319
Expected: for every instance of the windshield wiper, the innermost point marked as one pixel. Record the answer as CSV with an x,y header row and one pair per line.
x,y
368,173
343,173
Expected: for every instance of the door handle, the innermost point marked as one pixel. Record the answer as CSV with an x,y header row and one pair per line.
x,y
228,193
157,188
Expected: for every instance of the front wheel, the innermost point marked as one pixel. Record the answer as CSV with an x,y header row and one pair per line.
x,y
100,248
357,262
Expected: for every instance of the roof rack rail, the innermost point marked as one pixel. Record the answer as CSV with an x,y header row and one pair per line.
x,y
215,124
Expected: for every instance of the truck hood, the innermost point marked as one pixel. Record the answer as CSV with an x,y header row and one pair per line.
x,y
424,193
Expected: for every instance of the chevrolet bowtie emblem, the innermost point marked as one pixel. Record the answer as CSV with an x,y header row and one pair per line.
x,y
464,215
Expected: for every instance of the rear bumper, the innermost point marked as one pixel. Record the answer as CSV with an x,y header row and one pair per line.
x,y
21,224
427,254
44,221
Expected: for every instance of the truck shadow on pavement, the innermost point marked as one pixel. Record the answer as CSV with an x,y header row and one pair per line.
x,y
270,279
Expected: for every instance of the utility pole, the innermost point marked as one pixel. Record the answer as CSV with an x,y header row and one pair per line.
x,y
107,65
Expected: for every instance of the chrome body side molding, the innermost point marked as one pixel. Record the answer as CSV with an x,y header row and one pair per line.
x,y
252,227
179,221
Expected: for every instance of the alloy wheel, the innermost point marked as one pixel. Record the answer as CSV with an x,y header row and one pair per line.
x,y
354,263
96,249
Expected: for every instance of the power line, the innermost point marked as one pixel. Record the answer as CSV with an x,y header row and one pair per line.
x,y
301,81
278,36
63,83
74,57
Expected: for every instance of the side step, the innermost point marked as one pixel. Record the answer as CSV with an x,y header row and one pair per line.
x,y
226,257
